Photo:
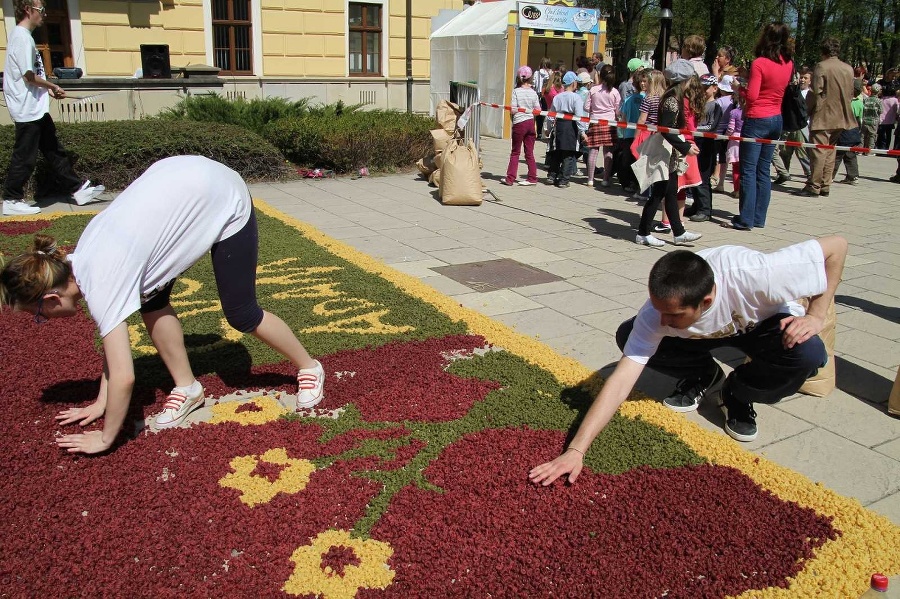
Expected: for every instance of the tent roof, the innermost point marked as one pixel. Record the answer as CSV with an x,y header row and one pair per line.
x,y
484,18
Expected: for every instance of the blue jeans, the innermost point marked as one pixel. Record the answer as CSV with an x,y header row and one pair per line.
x,y
756,166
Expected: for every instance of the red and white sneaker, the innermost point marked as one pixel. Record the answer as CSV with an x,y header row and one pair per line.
x,y
179,404
310,386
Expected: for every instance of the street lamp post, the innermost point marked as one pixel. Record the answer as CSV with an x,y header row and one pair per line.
x,y
665,30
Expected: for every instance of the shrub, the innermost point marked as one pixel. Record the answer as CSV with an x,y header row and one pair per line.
x,y
115,153
253,114
377,139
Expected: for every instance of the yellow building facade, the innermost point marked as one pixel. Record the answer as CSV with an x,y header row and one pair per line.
x,y
325,49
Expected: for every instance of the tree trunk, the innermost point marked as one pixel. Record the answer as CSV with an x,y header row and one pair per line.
x,y
716,29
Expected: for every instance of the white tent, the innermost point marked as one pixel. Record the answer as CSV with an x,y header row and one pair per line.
x,y
472,47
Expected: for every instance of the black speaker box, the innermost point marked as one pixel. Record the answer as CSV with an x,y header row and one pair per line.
x,y
67,73
155,61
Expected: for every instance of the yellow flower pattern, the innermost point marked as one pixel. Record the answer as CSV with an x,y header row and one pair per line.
x,y
310,578
269,411
256,490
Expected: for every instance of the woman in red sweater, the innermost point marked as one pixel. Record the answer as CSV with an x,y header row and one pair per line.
x,y
769,76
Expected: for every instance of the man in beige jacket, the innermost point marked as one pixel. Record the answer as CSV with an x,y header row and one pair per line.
x,y
828,104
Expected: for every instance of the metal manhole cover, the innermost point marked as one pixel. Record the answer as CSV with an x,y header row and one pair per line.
x,y
492,275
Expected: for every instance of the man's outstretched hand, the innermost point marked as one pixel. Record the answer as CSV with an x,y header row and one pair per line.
x,y
569,463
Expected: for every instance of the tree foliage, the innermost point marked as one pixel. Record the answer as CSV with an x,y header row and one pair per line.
x,y
868,29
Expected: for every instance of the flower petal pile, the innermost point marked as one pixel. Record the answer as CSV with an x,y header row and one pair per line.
x,y
409,479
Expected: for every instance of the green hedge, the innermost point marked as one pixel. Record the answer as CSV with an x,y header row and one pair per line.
x,y
378,139
115,153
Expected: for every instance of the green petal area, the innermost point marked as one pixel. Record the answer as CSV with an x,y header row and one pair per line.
x,y
532,397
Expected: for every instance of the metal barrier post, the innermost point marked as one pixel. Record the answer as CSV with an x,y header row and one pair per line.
x,y
468,96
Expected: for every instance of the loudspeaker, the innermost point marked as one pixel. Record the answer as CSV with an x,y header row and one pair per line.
x,y
155,61
68,73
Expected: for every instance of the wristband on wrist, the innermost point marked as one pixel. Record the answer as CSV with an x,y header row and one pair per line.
x,y
574,449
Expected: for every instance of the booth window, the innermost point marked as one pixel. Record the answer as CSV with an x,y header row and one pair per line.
x,y
365,39
232,39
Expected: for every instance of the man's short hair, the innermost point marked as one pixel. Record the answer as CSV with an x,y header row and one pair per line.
x,y
681,275
831,46
695,45
20,7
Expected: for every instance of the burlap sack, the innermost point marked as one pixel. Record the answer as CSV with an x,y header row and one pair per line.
x,y
440,139
894,401
438,160
446,113
823,382
434,179
460,183
425,166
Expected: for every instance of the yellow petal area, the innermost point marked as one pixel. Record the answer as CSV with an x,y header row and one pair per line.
x,y
256,490
309,578
269,411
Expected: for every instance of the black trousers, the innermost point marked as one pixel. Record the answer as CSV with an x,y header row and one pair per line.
x,y
707,161
773,373
665,192
31,137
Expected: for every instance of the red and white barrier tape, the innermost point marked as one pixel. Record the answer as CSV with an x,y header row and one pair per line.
x,y
624,125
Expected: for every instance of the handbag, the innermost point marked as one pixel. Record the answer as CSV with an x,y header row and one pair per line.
x,y
793,109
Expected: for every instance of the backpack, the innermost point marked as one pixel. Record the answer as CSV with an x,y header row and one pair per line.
x,y
793,109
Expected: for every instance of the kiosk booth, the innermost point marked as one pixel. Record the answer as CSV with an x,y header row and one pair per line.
x,y
486,43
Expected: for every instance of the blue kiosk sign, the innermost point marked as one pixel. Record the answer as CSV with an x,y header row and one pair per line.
x,y
558,18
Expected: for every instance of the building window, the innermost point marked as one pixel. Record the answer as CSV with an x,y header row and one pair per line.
x,y
232,39
365,39
54,39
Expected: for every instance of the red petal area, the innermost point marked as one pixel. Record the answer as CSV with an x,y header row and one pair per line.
x,y
338,557
23,227
686,532
391,383
407,381
151,519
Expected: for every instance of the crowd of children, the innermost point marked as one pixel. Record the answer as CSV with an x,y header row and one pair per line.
x,y
707,101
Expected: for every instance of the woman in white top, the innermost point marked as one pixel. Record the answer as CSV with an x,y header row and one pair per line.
x,y
127,260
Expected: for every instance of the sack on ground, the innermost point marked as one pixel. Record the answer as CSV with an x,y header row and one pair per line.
x,y
434,178
426,166
822,383
438,160
440,139
460,179
446,113
894,401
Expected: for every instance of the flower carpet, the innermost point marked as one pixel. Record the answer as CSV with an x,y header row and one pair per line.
x,y
409,479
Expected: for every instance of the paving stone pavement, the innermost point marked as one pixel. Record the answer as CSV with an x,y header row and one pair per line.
x,y
847,441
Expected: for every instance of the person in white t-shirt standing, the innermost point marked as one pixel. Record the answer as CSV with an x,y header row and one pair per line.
x,y
728,296
127,260
27,93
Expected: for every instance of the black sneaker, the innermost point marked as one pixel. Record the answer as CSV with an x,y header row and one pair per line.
x,y
662,228
740,418
690,392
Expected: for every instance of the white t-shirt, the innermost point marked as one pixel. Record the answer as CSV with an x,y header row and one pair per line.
x,y
750,287
26,102
155,230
